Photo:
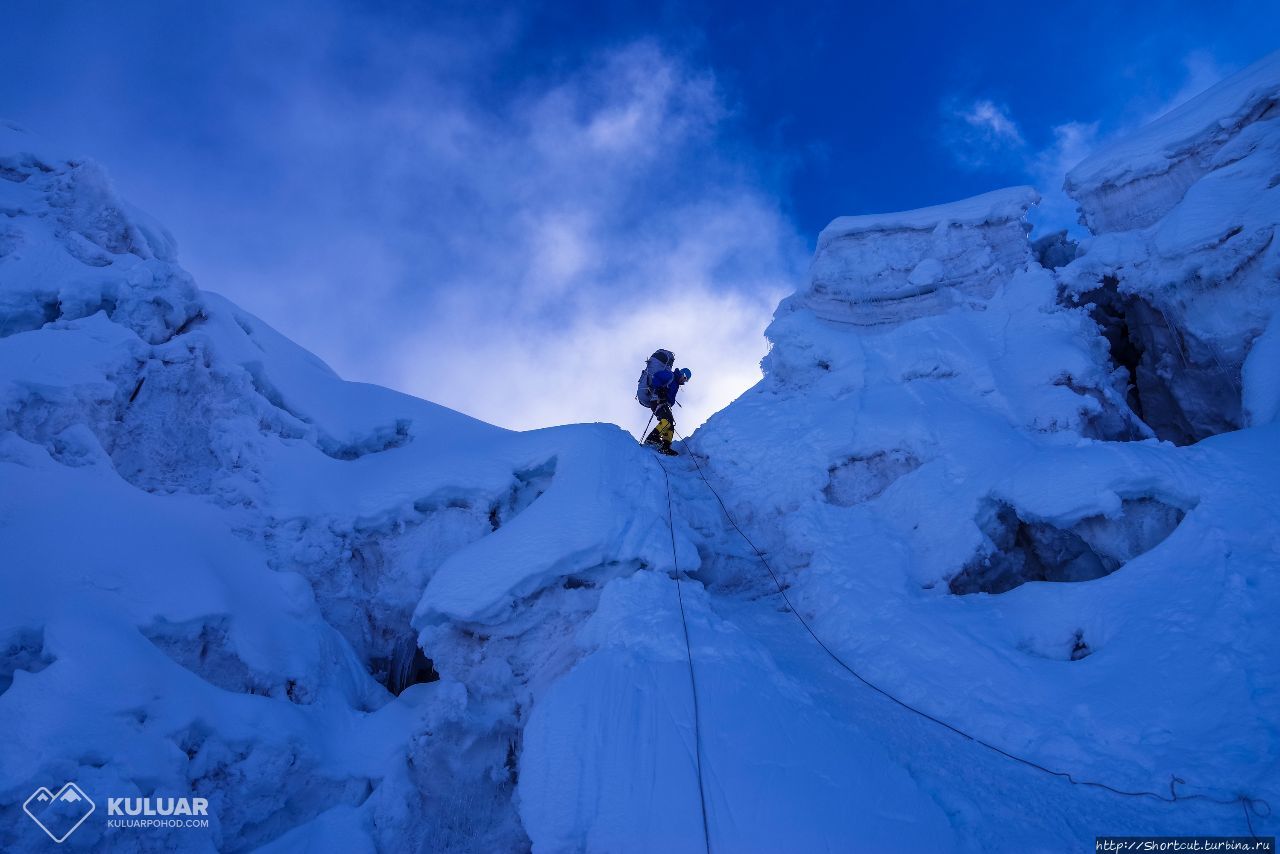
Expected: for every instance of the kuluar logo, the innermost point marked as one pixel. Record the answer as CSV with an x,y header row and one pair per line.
x,y
59,815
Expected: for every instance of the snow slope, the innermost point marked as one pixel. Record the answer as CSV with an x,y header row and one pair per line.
x,y
1034,500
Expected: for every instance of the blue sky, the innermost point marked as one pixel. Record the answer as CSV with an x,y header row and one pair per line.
x,y
505,208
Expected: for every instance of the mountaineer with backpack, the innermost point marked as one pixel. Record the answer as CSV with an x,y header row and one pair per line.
x,y
656,391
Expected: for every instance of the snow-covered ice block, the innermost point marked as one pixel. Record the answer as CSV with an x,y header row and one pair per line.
x,y
1137,179
605,507
889,268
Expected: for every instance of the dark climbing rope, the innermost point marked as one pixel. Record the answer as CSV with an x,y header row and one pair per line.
x,y
1248,804
688,648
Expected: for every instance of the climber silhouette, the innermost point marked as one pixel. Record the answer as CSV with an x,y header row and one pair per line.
x,y
656,390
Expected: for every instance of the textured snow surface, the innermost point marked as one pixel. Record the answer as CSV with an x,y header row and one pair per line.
x,y
1040,504
885,269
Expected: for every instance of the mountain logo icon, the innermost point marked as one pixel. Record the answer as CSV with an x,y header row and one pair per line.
x,y
59,815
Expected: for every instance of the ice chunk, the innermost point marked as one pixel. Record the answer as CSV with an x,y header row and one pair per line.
x,y
1137,179
889,268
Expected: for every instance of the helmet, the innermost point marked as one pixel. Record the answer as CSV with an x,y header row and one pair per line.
x,y
686,373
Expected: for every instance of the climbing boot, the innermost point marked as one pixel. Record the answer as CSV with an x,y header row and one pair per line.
x,y
666,430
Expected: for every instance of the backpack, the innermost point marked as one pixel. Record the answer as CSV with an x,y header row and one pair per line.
x,y
660,360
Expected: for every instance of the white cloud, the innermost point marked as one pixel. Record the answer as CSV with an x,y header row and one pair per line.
x,y
518,259
600,269
563,250
980,133
993,122
524,376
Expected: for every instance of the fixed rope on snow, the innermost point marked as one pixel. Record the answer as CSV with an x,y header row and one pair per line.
x,y
688,647
1248,804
